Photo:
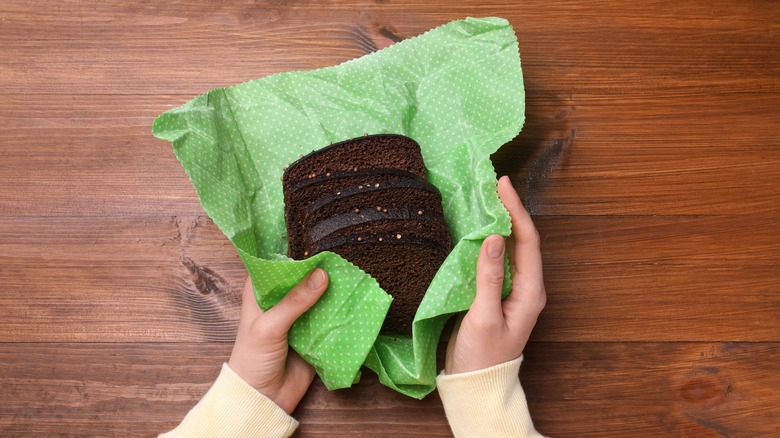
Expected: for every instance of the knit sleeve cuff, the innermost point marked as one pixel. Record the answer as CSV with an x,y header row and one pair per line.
x,y
487,402
232,407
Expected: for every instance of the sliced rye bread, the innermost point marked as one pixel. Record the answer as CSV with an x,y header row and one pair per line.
x,y
367,152
301,195
394,220
367,200
400,193
404,266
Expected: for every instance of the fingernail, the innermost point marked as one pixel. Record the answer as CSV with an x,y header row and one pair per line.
x,y
495,247
316,279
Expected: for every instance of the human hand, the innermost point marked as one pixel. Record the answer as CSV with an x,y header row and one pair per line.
x,y
261,356
493,332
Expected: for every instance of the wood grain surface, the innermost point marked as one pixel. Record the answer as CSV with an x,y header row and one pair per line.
x,y
649,159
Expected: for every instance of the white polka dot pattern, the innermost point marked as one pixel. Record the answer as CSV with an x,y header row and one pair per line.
x,y
457,90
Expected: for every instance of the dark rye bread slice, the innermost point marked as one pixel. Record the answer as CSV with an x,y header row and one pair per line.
x,y
383,194
402,265
320,181
303,193
339,211
434,232
394,220
367,152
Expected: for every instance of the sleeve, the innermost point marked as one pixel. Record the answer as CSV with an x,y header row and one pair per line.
x,y
234,408
488,402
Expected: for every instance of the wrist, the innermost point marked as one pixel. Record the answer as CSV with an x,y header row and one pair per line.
x,y
260,385
476,368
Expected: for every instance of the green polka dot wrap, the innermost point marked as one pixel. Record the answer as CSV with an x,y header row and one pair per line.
x,y
456,89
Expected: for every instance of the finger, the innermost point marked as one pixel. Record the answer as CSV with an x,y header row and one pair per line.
x,y
249,308
527,255
490,279
297,301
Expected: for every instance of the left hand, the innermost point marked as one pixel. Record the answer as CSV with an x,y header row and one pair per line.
x,y
261,355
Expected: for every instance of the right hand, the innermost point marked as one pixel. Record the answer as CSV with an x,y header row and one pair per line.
x,y
493,332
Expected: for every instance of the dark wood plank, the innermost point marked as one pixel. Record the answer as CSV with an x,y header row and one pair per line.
x,y
192,47
117,280
178,279
88,155
605,389
705,241
653,389
660,278
660,303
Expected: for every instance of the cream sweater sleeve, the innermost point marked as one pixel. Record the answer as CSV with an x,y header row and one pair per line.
x,y
488,402
233,408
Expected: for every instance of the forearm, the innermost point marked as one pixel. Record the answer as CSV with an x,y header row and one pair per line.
x,y
233,408
487,402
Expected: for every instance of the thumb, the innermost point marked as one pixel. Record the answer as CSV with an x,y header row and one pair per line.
x,y
490,279
297,301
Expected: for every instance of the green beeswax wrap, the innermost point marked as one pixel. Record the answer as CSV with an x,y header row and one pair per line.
x,y
456,89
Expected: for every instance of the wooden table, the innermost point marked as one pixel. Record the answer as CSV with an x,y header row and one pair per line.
x,y
649,158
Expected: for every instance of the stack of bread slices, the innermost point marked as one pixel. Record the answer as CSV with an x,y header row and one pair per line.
x,y
367,200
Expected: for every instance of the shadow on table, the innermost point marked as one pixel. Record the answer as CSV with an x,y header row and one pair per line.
x,y
541,147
